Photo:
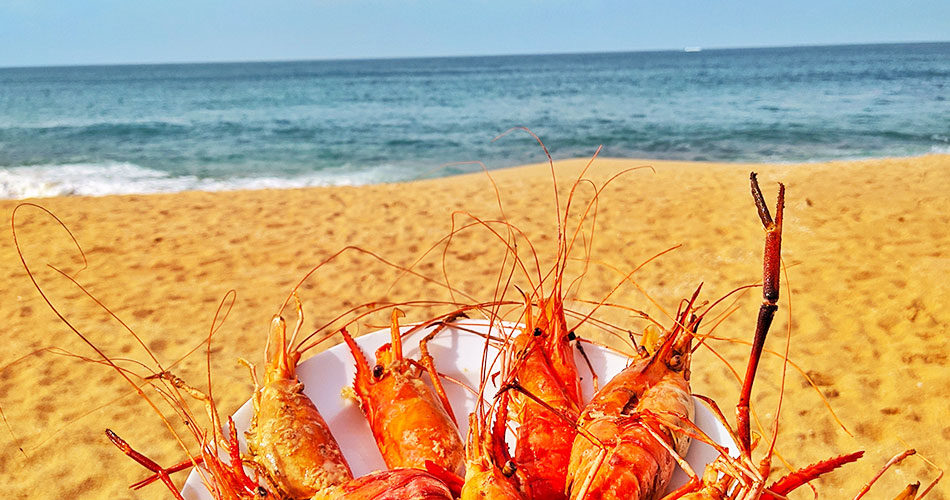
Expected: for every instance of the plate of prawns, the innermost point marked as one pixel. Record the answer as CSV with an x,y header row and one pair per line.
x,y
458,349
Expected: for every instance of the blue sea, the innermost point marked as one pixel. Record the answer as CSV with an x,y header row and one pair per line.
x,y
93,130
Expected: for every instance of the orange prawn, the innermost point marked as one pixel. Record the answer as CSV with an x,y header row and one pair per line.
x,y
320,458
641,421
540,365
543,367
395,484
618,453
229,481
288,438
410,423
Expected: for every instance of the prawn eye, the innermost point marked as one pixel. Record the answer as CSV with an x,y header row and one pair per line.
x,y
537,332
509,469
571,335
676,362
261,492
378,371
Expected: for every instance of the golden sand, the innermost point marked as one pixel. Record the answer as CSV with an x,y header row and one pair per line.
x,y
866,248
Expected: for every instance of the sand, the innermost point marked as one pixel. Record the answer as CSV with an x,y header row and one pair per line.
x,y
866,249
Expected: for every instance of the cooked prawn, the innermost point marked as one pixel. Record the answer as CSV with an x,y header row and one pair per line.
x,y
288,438
542,363
621,454
410,423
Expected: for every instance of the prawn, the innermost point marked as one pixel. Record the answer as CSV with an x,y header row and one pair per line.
x,y
643,416
296,439
618,452
740,477
395,484
411,425
540,364
229,480
543,367
288,438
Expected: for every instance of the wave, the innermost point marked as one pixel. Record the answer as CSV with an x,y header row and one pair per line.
x,y
101,179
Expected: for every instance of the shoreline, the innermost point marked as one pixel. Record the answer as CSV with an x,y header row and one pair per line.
x,y
865,252
251,184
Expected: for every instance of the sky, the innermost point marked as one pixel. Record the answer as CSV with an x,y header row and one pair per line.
x,y
74,32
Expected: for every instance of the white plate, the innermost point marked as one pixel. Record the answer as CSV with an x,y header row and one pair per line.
x,y
457,353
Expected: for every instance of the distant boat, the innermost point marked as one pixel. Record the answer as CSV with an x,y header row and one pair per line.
x,y
692,49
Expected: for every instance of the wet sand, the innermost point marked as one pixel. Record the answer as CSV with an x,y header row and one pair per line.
x,y
865,246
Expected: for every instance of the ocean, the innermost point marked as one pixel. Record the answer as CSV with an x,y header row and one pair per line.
x,y
95,130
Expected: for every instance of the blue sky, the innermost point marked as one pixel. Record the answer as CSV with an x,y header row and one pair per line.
x,y
54,32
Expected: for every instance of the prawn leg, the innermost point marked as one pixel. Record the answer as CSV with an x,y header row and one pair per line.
x,y
428,362
161,473
770,291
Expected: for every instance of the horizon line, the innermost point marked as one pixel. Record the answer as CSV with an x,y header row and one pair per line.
x,y
462,56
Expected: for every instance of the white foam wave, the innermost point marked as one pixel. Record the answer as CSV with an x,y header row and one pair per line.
x,y
100,179
82,122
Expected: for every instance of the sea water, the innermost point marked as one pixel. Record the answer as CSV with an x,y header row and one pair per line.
x,y
165,128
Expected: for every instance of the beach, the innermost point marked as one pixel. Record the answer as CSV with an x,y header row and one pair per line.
x,y
864,296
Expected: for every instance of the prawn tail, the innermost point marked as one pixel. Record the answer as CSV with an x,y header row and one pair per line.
x,y
788,483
